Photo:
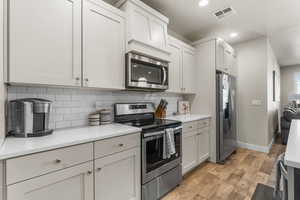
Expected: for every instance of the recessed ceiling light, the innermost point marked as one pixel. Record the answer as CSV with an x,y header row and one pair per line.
x,y
233,35
203,3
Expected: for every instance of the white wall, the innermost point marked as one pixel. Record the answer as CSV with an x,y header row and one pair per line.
x,y
288,86
2,96
257,122
273,106
252,85
2,86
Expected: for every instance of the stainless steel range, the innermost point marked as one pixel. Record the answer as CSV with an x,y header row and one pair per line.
x,y
161,148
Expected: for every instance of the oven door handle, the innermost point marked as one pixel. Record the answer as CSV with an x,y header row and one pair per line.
x,y
159,132
154,134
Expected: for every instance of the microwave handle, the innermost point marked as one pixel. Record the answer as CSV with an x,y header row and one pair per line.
x,y
165,76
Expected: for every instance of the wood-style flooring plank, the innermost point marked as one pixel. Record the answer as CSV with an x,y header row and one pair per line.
x,y
235,180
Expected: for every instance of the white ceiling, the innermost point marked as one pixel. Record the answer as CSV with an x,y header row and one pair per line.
x,y
278,19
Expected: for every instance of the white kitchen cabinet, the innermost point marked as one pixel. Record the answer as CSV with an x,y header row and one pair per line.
x,y
225,57
75,183
118,176
104,45
45,42
175,68
188,71
189,151
182,67
203,145
195,144
146,29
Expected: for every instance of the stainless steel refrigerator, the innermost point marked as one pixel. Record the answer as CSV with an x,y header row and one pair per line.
x,y
226,116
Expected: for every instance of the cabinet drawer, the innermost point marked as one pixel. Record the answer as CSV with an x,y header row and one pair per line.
x,y
114,145
26,167
189,126
203,123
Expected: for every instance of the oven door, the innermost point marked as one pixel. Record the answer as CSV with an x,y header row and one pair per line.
x,y
153,161
147,73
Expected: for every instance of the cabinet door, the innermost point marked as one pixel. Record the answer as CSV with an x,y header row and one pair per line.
x,y
203,145
220,56
45,42
75,183
139,25
175,67
118,176
158,34
103,46
189,151
188,71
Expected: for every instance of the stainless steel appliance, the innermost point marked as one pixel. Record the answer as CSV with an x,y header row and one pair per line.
x,y
146,73
160,173
226,116
29,117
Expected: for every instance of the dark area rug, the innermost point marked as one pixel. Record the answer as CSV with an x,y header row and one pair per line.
x,y
263,192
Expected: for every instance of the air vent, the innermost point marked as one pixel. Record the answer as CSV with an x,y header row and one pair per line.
x,y
219,14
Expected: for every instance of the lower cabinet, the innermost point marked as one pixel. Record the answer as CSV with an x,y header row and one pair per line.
x,y
118,176
189,151
75,183
203,145
195,144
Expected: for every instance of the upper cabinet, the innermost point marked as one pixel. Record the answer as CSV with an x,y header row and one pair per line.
x,y
67,43
188,70
225,57
103,45
182,67
175,67
146,29
45,42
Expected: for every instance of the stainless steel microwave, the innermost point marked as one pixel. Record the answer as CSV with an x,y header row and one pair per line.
x,y
146,73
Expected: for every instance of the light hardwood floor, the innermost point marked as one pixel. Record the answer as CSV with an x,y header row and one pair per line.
x,y
236,180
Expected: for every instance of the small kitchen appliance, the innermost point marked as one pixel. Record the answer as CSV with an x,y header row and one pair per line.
x,y
29,117
161,148
145,73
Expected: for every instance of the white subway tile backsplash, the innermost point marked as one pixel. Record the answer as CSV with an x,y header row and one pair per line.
x,y
71,107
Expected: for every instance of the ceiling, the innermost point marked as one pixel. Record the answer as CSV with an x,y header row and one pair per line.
x,y
277,19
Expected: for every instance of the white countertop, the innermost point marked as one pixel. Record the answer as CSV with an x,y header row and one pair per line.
x,y
292,155
14,147
188,117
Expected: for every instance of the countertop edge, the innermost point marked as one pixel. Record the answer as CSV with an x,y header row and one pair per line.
x,y
65,145
291,158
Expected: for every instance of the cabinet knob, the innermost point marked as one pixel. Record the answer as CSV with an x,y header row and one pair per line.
x,y
121,145
57,161
87,80
77,79
89,172
99,169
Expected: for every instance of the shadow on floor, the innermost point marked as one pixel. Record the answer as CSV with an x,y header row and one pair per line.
x,y
263,192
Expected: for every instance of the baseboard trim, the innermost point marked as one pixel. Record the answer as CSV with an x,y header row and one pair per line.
x,y
264,149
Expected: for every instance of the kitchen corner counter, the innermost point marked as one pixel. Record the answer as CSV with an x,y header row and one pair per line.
x,y
188,117
14,147
292,157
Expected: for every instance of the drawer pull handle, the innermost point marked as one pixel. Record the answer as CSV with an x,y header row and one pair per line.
x,y
121,145
89,172
57,161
